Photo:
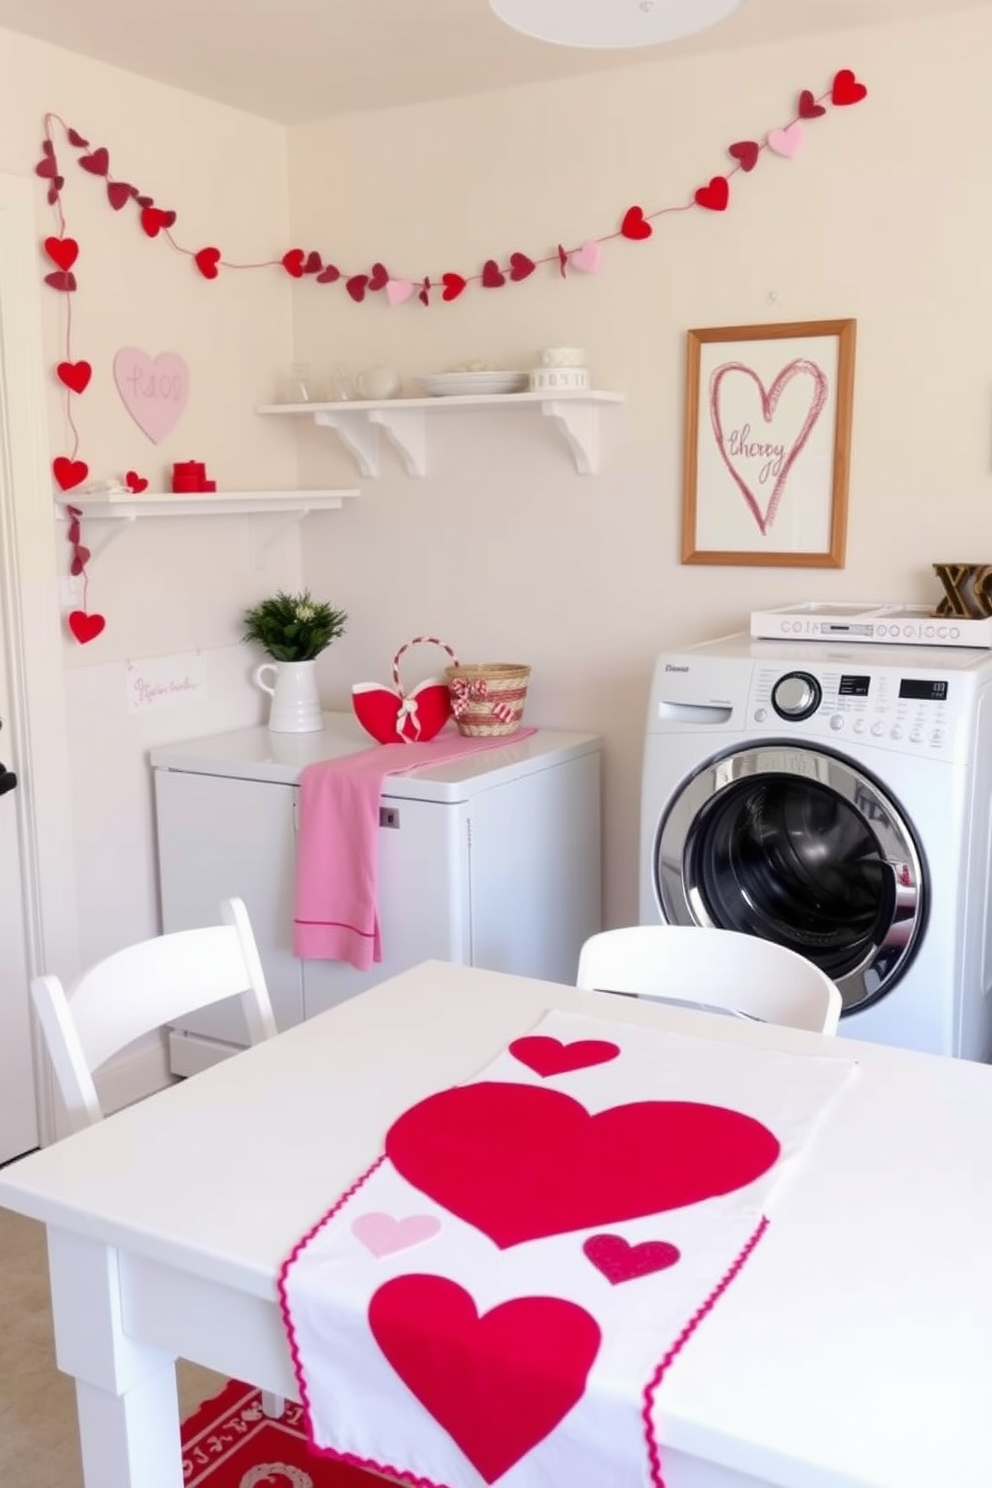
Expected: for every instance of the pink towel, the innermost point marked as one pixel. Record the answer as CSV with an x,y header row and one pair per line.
x,y
336,916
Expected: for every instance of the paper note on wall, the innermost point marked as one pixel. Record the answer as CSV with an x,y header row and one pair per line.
x,y
165,682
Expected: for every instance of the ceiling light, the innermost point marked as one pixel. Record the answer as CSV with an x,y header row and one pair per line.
x,y
612,23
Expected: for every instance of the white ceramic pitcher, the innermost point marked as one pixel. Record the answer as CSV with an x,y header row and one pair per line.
x,y
295,706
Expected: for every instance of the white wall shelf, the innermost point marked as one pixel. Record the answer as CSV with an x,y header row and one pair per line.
x,y
118,510
404,422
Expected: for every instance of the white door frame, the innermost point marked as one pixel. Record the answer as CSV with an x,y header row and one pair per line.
x,y
30,613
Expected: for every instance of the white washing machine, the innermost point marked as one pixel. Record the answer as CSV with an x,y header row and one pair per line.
x,y
836,799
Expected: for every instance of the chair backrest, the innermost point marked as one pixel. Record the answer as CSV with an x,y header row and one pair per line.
x,y
144,987
721,969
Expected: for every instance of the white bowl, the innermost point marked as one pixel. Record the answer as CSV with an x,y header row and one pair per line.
x,y
563,356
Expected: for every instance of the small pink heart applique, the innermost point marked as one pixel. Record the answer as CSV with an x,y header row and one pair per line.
x,y
787,142
398,290
589,258
383,1234
619,1261
549,1056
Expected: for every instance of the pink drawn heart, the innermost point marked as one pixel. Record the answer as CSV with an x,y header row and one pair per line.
x,y
522,1162
769,403
398,290
618,1260
153,390
588,258
549,1056
787,142
383,1235
498,1383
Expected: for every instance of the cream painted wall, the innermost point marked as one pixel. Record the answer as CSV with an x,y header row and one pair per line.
x,y
165,586
503,549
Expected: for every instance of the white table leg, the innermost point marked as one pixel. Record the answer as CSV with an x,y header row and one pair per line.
x,y
125,1389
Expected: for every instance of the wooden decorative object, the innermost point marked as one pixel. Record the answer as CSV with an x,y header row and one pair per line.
x,y
967,590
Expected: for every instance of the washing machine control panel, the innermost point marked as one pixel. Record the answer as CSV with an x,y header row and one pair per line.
x,y
913,714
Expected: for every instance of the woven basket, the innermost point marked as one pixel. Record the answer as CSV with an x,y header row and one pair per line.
x,y
488,700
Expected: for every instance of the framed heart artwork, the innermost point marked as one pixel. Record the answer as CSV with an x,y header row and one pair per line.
x,y
768,444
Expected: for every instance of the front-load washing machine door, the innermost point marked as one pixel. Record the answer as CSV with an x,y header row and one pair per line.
x,y
799,846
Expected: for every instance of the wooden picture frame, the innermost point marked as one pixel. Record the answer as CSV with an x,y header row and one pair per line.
x,y
768,444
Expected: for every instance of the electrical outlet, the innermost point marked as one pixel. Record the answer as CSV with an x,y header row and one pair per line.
x,y
71,592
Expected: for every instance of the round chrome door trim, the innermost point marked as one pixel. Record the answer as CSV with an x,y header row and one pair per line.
x,y
889,946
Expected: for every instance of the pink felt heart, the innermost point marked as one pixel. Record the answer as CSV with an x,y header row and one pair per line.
x,y
522,1162
618,1260
634,225
715,195
589,258
75,375
85,627
549,1056
398,290
497,1382
391,718
383,1235
787,142
153,390
746,152
763,453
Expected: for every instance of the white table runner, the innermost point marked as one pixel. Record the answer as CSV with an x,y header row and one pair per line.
x,y
498,1298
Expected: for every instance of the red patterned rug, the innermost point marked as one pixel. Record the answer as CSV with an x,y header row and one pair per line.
x,y
229,1443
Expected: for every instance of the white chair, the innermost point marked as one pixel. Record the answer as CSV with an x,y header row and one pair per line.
x,y
139,989
720,969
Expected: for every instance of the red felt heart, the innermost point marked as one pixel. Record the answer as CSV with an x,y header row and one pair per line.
x,y
747,152
521,266
425,292
54,189
206,261
76,139
68,472
846,88
618,1260
46,167
119,193
453,286
313,263
85,627
293,262
715,196
492,275
80,557
389,718
635,226
329,275
47,148
808,106
135,482
497,1384
144,201
549,1056
75,375
521,1162
356,287
62,251
379,277
153,219
97,163
59,279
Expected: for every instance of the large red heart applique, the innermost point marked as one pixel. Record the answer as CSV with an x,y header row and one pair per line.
x,y
715,195
521,1162
75,375
62,251
549,1056
68,472
391,718
846,89
293,262
497,1384
154,219
635,226
763,454
86,627
207,261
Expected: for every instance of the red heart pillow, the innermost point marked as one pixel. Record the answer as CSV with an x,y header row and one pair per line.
x,y
392,717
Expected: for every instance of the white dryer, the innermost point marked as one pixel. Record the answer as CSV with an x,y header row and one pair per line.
x,y
836,799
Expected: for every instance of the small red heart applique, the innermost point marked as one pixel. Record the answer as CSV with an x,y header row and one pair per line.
x,y
492,275
549,1056
454,284
521,266
356,287
54,189
75,375
746,152
635,226
59,279
846,89
392,718
618,1260
80,557
313,263
46,167
119,193
715,196
85,627
68,472
144,201
206,261
379,277
97,163
808,106
154,219
329,275
424,295
76,140
293,262
62,251
135,482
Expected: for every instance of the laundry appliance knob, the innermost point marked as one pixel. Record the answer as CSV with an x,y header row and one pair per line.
x,y
796,696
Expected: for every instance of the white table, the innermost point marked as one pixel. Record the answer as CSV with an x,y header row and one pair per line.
x,y
853,1351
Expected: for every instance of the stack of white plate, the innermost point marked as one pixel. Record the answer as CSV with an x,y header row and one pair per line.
x,y
455,384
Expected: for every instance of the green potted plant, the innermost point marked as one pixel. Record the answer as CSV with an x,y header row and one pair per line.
x,y
292,629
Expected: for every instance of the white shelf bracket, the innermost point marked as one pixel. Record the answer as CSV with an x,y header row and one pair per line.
x,y
579,426
405,430
97,536
356,434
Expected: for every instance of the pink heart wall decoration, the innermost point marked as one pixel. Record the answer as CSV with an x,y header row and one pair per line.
x,y
787,142
154,390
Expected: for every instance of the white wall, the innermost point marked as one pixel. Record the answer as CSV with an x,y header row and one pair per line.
x,y
503,549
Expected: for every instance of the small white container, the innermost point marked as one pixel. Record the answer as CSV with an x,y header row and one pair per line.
x,y
559,379
563,356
